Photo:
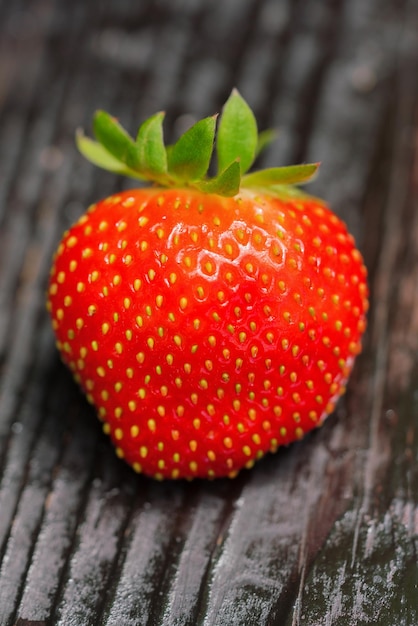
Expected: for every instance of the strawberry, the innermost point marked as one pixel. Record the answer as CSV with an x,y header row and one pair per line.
x,y
208,319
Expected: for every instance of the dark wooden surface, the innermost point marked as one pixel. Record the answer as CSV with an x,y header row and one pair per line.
x,y
324,532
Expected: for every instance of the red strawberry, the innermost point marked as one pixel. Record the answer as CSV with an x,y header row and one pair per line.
x,y
208,320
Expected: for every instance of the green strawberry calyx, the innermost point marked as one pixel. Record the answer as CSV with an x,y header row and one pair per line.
x,y
234,138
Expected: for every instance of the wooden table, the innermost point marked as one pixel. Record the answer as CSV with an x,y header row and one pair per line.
x,y
326,531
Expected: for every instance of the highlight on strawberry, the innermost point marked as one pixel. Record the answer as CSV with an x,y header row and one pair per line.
x,y
209,319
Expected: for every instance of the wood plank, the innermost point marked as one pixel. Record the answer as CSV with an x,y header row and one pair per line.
x,y
324,532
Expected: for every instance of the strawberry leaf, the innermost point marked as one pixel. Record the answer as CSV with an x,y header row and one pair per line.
x,y
190,156
186,163
115,139
94,152
225,184
237,134
285,192
152,157
265,138
291,175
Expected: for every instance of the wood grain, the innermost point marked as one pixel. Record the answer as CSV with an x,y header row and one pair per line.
x,y
324,532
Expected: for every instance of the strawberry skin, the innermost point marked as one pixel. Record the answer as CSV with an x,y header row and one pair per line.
x,y
208,330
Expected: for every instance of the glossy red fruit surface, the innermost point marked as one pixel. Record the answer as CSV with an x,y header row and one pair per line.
x,y
208,330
